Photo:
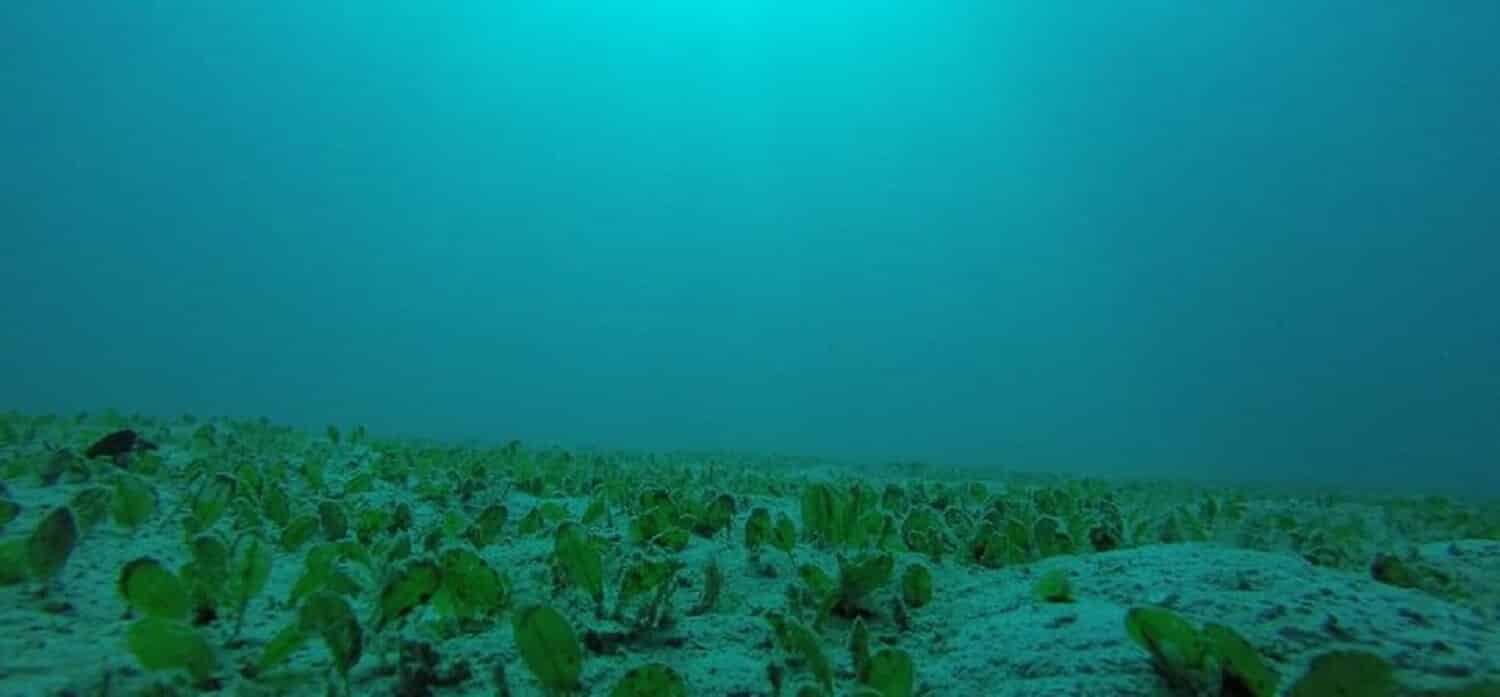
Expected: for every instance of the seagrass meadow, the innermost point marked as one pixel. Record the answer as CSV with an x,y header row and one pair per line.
x,y
749,348
149,556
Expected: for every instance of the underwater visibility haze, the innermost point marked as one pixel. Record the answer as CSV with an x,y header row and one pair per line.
x,y
748,348
1242,240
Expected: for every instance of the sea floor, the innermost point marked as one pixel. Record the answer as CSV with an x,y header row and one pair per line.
x,y
287,563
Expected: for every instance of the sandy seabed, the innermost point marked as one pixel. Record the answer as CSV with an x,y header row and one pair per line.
x,y
985,631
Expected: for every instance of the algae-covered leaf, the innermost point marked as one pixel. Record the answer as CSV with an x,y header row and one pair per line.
x,y
531,523
275,505
661,525
816,579
1054,587
331,618
212,498
921,531
368,522
153,590
549,647
90,506
399,549
580,559
335,523
713,586
650,680
862,577
990,549
487,526
888,536
61,461
283,645
1051,537
298,532
654,498
1239,663
134,501
798,640
891,673
553,511
52,542
597,510
1346,673
251,477
757,528
784,535
644,577
162,644
15,566
409,588
717,515
211,556
9,510
453,524
344,584
1176,648
1149,626
893,499
916,586
674,538
249,569
146,464
470,587
317,571
820,514
361,483
206,575
859,647
312,470
357,553
245,514
492,518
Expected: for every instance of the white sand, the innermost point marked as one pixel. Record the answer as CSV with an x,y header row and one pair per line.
x,y
984,633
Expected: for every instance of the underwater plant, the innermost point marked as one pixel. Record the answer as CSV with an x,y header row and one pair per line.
x,y
391,549
549,648
1346,673
1054,587
1192,660
650,680
916,586
51,544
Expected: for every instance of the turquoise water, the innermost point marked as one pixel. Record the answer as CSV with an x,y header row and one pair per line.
x,y
1233,240
738,348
